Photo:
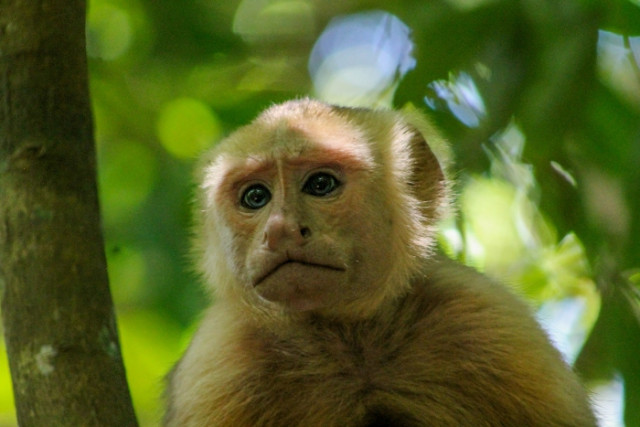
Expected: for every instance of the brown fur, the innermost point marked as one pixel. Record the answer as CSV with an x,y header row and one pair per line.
x,y
390,334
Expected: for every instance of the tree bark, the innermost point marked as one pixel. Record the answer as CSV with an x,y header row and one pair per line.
x,y
59,323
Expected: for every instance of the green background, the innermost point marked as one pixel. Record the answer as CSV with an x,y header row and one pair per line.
x,y
548,180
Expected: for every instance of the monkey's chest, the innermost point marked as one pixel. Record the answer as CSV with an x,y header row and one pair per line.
x,y
344,379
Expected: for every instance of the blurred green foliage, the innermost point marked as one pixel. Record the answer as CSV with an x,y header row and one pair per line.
x,y
540,100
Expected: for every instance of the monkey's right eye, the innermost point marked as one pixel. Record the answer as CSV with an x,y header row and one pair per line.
x,y
255,197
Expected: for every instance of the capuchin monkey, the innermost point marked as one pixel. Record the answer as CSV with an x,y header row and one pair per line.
x,y
315,233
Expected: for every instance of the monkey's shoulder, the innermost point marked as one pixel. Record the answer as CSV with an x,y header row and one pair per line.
x,y
447,291
454,310
449,302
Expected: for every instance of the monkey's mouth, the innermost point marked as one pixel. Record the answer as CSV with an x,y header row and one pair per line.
x,y
288,262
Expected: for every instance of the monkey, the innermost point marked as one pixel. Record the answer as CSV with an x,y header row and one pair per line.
x,y
315,232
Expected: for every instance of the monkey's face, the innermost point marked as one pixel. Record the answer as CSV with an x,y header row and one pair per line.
x,y
318,208
303,216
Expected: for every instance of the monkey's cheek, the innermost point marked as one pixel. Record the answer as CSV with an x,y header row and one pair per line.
x,y
302,288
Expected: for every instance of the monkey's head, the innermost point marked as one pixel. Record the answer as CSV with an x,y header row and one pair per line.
x,y
315,208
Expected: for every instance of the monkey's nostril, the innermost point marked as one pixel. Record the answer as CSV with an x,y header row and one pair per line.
x,y
305,232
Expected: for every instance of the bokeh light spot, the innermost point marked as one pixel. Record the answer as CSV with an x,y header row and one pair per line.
x,y
109,31
359,59
186,126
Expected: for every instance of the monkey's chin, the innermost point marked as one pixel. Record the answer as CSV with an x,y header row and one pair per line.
x,y
301,287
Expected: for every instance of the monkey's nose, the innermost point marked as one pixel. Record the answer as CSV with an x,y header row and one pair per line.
x,y
281,230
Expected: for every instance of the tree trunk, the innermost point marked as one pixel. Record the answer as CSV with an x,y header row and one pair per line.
x,y
58,316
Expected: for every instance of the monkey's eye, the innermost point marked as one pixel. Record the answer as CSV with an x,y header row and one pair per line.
x,y
320,184
255,197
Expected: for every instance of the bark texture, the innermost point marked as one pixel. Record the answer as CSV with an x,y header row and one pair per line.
x,y
57,312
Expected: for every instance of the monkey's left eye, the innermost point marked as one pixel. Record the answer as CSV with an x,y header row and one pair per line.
x,y
320,184
255,197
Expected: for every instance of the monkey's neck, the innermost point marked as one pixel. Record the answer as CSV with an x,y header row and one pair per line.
x,y
289,324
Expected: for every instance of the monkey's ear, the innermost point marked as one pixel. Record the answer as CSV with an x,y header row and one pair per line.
x,y
427,178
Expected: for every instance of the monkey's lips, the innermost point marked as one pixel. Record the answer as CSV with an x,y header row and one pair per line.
x,y
293,263
300,285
